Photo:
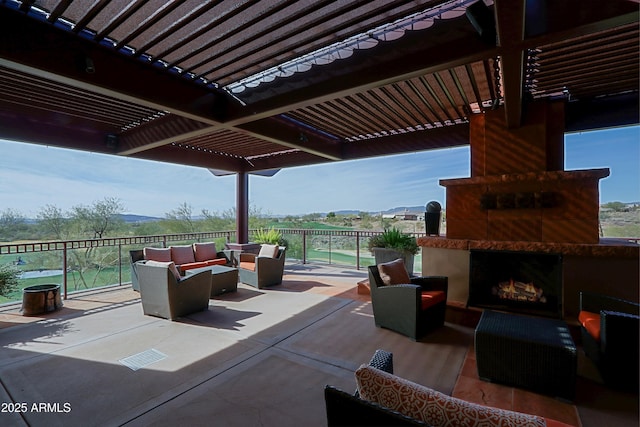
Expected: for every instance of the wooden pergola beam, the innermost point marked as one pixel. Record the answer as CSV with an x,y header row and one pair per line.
x,y
510,20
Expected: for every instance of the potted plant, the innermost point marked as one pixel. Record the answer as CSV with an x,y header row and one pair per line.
x,y
270,237
392,244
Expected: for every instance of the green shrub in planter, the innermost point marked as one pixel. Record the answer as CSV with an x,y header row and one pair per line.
x,y
8,279
394,239
393,244
269,237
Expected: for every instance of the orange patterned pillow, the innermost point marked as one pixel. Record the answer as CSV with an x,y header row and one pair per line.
x,y
443,410
393,392
394,273
432,407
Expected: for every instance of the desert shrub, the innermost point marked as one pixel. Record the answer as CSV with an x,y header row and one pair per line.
x,y
9,275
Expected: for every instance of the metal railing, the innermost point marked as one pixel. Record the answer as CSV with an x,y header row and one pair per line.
x,y
69,264
338,246
95,257
109,258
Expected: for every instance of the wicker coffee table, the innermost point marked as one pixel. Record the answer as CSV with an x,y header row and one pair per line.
x,y
529,352
223,279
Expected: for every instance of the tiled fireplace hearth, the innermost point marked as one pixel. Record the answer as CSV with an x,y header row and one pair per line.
x,y
519,198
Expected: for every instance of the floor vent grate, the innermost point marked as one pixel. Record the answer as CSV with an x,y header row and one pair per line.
x,y
141,360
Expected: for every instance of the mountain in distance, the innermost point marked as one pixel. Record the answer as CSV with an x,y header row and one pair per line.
x,y
133,218
413,209
398,209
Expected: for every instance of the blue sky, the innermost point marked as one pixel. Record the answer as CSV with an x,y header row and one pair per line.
x,y
32,176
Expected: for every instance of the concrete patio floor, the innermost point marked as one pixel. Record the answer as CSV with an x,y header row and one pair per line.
x,y
256,357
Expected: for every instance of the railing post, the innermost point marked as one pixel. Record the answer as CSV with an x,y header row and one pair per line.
x,y
357,250
304,246
330,248
64,269
120,263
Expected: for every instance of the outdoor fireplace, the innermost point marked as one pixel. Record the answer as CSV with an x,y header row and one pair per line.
x,y
519,198
523,282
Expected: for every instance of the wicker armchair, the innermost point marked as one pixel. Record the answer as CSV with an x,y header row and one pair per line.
x,y
135,256
400,307
610,330
163,295
261,271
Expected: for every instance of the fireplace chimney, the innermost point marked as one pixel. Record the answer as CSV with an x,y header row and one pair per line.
x,y
518,190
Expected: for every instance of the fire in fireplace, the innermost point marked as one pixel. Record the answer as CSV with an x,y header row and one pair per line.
x,y
518,291
524,282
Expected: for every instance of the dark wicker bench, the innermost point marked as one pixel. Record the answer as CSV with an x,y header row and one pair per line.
x,y
529,352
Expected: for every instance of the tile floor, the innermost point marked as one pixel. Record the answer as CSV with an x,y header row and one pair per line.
x,y
254,356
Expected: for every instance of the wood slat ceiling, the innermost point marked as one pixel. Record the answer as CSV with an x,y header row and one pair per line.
x,y
224,41
430,101
22,91
604,62
153,79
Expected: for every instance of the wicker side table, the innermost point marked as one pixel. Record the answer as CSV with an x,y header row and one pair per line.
x,y
529,352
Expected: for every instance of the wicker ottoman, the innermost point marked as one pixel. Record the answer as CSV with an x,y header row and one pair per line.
x,y
529,352
223,279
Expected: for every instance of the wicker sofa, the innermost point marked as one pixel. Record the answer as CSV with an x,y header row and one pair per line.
x,y
185,257
384,399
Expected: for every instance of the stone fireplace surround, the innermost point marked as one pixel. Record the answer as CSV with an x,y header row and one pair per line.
x,y
519,198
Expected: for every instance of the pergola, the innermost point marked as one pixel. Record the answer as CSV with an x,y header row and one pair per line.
x,y
250,86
